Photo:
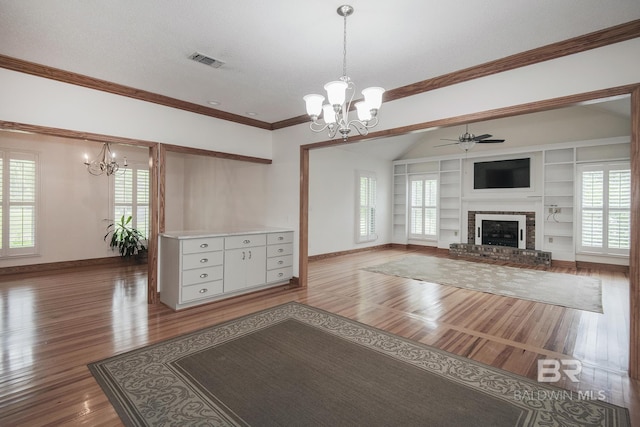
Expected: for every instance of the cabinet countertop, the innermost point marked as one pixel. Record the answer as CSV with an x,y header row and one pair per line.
x,y
227,231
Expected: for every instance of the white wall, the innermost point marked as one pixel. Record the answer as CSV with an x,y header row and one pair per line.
x,y
34,100
219,194
332,199
74,206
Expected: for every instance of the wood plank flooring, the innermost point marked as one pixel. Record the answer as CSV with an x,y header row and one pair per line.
x,y
52,325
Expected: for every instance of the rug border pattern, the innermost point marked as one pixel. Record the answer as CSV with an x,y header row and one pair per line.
x,y
132,375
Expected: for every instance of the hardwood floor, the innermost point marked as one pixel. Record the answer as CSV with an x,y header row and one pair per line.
x,y
52,326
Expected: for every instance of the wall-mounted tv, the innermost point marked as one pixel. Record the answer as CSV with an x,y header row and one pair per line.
x,y
513,173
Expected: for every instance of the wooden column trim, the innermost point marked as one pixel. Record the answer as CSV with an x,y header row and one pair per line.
x,y
304,218
152,266
162,187
634,254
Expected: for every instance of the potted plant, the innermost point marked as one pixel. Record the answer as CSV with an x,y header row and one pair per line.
x,y
127,240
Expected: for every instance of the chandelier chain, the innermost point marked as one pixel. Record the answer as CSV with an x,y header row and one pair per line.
x,y
344,49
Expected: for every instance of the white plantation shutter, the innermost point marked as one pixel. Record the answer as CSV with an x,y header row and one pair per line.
x,y
18,185
423,209
131,196
416,224
366,207
142,202
619,223
592,208
430,207
605,202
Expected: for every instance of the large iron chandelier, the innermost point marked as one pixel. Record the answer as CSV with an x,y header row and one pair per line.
x,y
340,95
105,162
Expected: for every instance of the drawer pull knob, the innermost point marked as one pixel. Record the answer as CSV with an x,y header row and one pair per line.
x,y
281,262
204,275
280,238
203,290
280,274
246,241
203,260
280,250
204,245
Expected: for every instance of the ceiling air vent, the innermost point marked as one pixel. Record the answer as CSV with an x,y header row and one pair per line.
x,y
206,60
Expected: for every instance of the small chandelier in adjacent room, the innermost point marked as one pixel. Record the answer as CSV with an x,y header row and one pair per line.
x,y
105,162
340,94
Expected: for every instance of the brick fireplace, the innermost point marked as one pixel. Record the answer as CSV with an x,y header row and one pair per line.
x,y
519,255
530,225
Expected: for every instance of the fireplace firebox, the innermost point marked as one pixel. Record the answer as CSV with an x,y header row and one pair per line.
x,y
500,233
501,230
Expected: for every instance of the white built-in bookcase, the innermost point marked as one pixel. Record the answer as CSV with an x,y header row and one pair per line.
x,y
559,192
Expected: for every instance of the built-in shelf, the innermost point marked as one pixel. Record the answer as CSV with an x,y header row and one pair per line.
x,y
558,201
450,207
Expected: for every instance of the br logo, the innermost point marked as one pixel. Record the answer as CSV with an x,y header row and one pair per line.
x,y
553,370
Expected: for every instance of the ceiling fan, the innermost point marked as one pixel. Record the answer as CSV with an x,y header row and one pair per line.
x,y
467,140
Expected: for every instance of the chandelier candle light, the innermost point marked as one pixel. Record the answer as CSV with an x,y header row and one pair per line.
x,y
340,95
105,162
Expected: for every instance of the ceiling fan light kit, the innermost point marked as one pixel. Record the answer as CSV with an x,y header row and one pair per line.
x,y
467,140
340,94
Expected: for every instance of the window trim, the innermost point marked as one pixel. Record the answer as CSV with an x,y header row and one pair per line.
x,y
135,166
423,177
7,252
606,167
372,234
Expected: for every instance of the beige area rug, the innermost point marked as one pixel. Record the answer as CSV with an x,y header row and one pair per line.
x,y
295,365
567,290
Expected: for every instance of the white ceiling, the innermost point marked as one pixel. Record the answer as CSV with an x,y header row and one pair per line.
x,y
277,51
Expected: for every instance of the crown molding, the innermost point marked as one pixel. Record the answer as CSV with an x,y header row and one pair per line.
x,y
607,36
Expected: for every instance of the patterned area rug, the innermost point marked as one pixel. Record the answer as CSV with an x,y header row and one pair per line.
x,y
567,290
297,365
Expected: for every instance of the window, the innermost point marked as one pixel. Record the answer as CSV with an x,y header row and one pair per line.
x,y
423,206
131,197
366,207
605,208
18,183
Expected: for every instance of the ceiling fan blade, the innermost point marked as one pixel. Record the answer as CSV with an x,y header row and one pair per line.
x,y
448,139
479,137
444,145
489,141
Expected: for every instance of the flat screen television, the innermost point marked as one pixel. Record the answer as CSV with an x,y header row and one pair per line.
x,y
513,173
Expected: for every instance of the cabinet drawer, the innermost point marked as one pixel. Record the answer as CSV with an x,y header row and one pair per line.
x,y
206,244
202,290
279,250
201,275
204,259
279,262
275,238
281,274
245,241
